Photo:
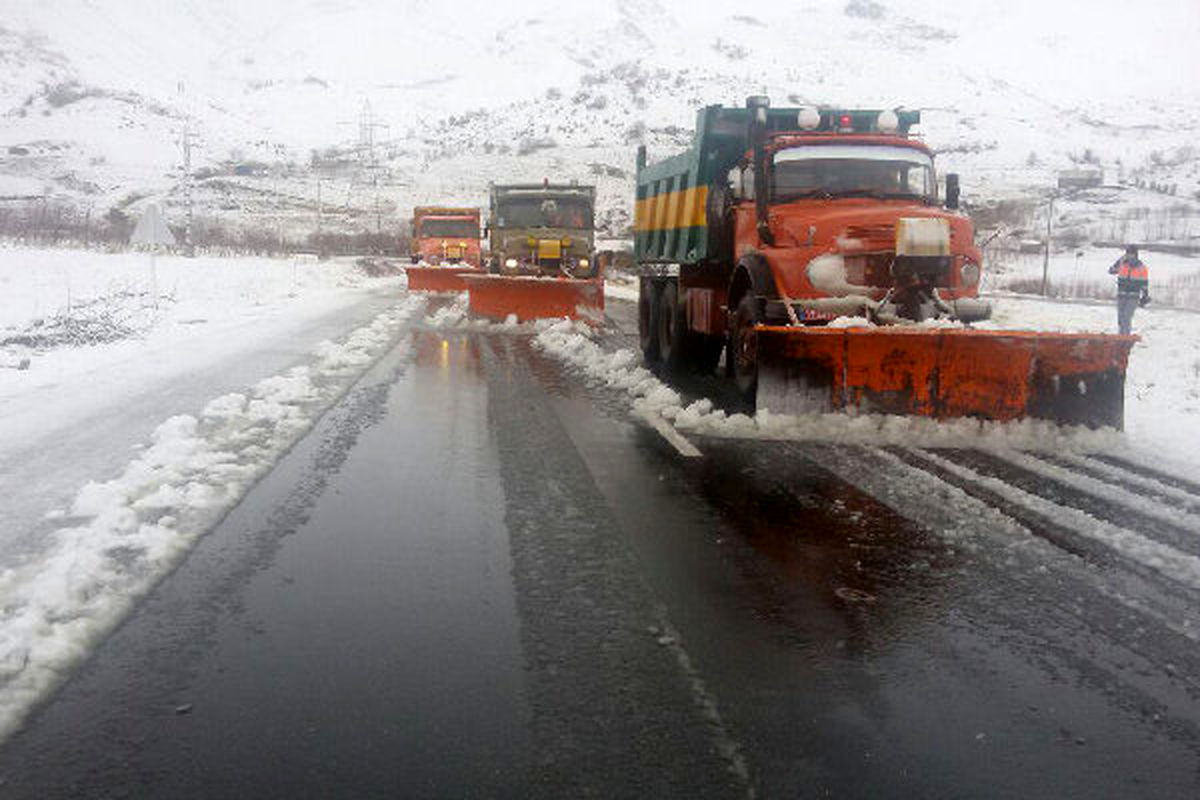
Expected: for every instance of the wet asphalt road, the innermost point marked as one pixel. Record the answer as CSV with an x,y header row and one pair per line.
x,y
479,577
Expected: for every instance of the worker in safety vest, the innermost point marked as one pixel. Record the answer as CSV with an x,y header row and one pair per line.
x,y
1133,286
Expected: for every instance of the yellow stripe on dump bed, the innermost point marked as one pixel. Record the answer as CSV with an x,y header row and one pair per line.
x,y
681,209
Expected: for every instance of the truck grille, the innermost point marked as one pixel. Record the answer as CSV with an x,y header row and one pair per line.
x,y
873,237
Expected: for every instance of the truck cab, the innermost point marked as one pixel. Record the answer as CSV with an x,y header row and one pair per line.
x,y
845,213
542,230
443,235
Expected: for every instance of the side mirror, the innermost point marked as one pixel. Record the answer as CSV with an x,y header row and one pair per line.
x,y
758,149
952,190
734,181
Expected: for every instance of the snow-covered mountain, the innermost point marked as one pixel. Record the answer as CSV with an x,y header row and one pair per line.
x,y
94,95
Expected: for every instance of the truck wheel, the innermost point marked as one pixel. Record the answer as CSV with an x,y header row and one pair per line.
x,y
648,320
708,351
743,346
673,334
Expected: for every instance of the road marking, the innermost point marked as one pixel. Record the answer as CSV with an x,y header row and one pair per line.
x,y
727,747
677,439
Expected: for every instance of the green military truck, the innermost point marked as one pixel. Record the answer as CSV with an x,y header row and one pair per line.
x,y
542,229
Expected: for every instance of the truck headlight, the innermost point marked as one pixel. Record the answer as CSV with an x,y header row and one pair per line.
x,y
510,263
969,274
583,262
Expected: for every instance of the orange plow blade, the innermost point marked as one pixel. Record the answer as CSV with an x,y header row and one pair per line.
x,y
438,279
497,297
1070,378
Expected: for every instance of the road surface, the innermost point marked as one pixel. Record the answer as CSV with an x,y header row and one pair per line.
x,y
479,576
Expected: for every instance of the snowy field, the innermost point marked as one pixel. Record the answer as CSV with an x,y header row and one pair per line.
x,y
80,330
165,291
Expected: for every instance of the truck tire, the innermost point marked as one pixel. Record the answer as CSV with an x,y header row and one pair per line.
x,y
648,320
743,347
673,334
707,353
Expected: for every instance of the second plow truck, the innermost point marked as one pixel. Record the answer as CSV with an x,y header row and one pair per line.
x,y
811,247
542,260
446,245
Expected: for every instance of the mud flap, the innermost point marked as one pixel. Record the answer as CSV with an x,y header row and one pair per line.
x,y
438,279
497,296
1076,379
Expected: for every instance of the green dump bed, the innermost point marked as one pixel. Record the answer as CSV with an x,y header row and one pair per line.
x,y
670,218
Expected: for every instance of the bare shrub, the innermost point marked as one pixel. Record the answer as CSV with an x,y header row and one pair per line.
x,y
1179,291
378,267
67,92
864,9
112,318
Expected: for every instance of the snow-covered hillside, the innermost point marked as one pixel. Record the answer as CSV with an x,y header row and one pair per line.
x,y
94,95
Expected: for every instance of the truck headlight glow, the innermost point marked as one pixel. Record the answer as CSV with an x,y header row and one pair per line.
x,y
510,262
583,262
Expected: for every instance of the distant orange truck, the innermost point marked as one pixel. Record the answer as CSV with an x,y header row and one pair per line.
x,y
442,235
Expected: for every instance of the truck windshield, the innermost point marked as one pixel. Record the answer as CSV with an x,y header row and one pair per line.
x,y
852,170
449,228
539,212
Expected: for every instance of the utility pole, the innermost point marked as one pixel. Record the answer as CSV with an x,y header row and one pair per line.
x,y
320,220
378,220
1046,257
278,174
185,143
189,247
367,161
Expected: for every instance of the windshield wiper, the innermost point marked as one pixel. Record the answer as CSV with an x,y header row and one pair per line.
x,y
875,193
821,193
914,195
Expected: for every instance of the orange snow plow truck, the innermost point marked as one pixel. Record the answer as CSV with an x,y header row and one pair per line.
x,y
811,247
446,246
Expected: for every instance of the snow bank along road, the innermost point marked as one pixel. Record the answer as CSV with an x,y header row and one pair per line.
x,y
215,364
510,562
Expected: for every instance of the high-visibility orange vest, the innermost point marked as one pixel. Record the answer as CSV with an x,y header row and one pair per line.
x,y
1133,271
